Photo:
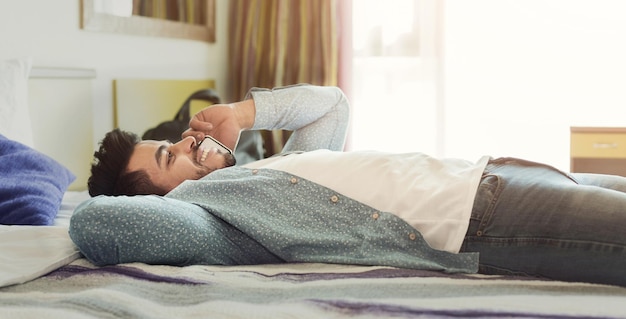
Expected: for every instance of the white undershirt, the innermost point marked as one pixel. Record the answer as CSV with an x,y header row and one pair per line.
x,y
433,195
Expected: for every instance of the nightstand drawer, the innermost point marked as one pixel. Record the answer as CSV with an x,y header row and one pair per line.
x,y
598,145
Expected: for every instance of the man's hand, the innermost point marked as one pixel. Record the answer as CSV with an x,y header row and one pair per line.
x,y
222,121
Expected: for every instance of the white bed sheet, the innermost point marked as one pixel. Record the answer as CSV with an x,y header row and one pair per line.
x,y
71,199
28,252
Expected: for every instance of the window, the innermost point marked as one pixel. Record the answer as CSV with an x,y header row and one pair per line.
x,y
393,80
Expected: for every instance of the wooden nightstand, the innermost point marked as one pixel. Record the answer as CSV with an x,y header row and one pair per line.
x,y
598,150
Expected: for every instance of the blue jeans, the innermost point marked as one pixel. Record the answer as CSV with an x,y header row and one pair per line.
x,y
532,219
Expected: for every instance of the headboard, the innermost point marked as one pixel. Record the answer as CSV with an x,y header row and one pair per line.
x,y
61,112
140,104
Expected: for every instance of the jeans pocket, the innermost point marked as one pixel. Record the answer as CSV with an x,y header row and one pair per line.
x,y
484,203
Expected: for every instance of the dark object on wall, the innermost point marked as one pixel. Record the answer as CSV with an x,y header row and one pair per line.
x,y
250,145
172,130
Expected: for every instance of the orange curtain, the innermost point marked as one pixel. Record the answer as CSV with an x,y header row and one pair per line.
x,y
281,42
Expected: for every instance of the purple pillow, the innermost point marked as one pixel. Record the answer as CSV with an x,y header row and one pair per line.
x,y
32,185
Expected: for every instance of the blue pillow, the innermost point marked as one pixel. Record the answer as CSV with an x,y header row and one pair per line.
x,y
32,185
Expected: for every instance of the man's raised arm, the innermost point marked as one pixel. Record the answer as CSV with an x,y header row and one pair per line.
x,y
317,115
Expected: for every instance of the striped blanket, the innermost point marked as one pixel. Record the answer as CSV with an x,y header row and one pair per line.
x,y
80,290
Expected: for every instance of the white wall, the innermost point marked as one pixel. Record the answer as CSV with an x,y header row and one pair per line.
x,y
49,32
519,73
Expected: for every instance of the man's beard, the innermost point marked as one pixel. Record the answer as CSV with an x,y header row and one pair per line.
x,y
229,160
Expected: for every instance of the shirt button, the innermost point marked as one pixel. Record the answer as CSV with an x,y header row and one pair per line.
x,y
293,180
412,236
334,198
254,171
375,215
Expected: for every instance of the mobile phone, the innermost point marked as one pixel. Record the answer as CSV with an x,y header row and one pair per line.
x,y
210,142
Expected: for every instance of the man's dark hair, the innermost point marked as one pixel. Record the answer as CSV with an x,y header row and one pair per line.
x,y
108,171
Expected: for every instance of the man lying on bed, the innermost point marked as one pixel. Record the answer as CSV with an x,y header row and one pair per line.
x,y
314,203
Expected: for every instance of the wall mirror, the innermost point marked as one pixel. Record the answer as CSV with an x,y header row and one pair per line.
x,y
189,19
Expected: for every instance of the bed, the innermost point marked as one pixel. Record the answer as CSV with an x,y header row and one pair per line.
x,y
42,274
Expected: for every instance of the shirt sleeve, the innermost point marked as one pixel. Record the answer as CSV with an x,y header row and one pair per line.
x,y
317,115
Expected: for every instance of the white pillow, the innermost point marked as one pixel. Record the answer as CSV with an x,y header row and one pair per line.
x,y
15,121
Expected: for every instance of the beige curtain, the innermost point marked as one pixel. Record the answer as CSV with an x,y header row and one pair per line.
x,y
281,42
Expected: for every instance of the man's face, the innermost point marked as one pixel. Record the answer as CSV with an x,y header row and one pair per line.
x,y
168,165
